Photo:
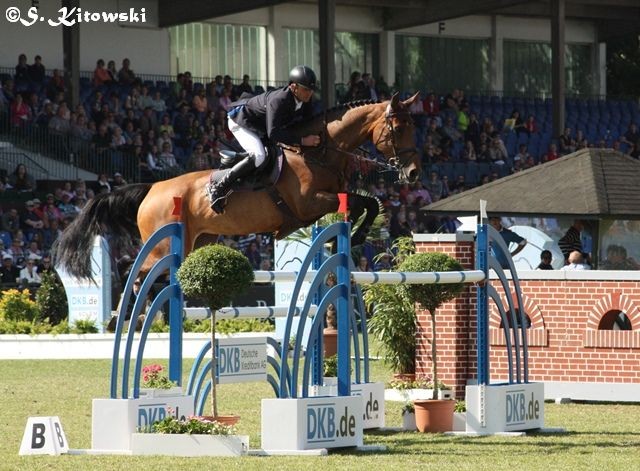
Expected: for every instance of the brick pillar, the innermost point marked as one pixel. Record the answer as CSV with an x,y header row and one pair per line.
x,y
455,320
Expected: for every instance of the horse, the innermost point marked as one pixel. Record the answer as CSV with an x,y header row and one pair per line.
x,y
307,189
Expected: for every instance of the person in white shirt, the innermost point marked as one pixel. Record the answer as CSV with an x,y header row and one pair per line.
x,y
576,262
29,274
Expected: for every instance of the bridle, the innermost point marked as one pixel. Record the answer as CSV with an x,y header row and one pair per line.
x,y
396,161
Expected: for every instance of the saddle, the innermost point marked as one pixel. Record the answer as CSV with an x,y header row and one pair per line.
x,y
264,177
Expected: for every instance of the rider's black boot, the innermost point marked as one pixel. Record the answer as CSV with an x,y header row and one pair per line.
x,y
220,190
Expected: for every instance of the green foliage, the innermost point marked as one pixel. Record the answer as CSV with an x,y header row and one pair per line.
x,y
431,296
84,326
408,408
61,328
158,326
461,406
232,326
153,377
393,323
17,306
190,425
215,273
330,367
52,299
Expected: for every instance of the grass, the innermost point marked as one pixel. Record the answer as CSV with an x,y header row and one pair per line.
x,y
598,436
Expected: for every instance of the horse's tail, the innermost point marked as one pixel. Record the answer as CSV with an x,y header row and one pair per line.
x,y
112,213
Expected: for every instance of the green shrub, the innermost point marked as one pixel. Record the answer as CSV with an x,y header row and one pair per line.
x,y
52,299
17,306
232,326
84,326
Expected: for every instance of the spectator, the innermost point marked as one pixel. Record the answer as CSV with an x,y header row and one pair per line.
x,y
10,220
497,150
469,152
9,273
37,74
254,256
21,77
55,85
118,180
244,87
567,144
431,107
101,75
167,160
575,261
632,136
509,238
570,241
545,261
20,114
530,125
45,265
200,160
435,187
29,274
552,153
111,69
126,76
363,264
383,263
51,211
617,259
20,180
158,104
59,124
145,100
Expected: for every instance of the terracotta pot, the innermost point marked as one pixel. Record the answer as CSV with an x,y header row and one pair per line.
x,y
330,340
434,415
223,419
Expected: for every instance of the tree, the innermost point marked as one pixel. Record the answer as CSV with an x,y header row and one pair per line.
x,y
217,274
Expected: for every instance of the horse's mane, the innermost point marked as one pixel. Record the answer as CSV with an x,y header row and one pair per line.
x,y
316,123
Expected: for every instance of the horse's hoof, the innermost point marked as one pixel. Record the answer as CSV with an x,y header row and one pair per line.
x,y
111,326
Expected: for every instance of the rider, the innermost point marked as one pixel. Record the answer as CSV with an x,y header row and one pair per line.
x,y
267,115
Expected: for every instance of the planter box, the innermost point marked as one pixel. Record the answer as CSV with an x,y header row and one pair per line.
x,y
407,395
189,445
155,392
459,421
372,394
409,421
114,420
504,407
311,423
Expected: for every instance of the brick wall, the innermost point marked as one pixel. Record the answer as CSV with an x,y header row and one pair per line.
x,y
565,343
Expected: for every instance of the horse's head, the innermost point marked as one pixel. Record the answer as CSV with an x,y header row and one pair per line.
x,y
395,138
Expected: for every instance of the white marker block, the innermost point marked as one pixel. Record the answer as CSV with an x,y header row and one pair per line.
x,y
44,436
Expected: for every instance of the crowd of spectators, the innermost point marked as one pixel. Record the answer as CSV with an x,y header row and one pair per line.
x,y
155,130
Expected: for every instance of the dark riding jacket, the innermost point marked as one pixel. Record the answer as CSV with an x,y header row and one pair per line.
x,y
270,113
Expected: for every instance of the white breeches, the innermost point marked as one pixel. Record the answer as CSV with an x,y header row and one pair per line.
x,y
249,141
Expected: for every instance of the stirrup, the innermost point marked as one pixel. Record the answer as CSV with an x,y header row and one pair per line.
x,y
219,203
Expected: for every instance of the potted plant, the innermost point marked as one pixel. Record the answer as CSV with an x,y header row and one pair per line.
x,y
216,274
155,382
188,436
408,417
393,320
431,297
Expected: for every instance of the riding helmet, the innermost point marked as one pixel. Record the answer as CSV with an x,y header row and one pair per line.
x,y
303,75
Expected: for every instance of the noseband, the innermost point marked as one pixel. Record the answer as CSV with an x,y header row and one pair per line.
x,y
396,161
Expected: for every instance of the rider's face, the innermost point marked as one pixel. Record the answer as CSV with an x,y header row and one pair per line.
x,y
301,92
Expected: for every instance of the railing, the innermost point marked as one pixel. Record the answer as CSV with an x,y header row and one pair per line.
x,y
9,159
71,152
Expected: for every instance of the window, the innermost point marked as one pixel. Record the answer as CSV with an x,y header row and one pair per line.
x,y
615,320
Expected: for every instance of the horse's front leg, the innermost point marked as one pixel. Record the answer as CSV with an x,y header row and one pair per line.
x,y
358,205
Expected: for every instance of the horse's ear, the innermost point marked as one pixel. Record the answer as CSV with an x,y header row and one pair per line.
x,y
395,99
410,101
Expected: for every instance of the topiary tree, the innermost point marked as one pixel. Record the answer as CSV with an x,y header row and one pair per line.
x,y
52,299
431,296
217,274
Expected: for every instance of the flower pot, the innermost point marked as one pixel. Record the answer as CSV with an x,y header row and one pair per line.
x,y
188,444
223,419
409,421
434,415
330,340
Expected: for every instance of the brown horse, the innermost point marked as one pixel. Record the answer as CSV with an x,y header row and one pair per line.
x,y
308,185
